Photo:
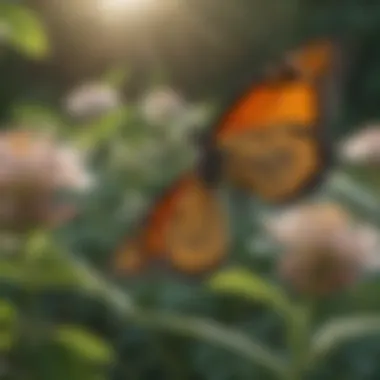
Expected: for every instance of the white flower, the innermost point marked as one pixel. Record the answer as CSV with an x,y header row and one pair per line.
x,y
362,147
162,106
91,100
70,169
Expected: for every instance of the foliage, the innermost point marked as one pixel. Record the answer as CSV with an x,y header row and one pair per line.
x,y
64,315
23,31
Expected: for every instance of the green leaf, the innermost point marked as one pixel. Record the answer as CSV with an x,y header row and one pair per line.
x,y
103,129
8,318
241,282
7,340
362,197
214,333
55,274
84,344
27,33
11,271
366,175
8,313
36,115
340,331
38,245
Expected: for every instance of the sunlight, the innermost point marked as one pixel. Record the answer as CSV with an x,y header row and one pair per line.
x,y
115,6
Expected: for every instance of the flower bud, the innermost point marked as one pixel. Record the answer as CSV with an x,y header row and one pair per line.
x,y
91,100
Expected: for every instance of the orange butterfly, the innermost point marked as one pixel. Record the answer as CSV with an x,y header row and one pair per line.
x,y
270,143
271,138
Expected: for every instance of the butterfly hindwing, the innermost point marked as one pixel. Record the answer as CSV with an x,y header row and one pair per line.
x,y
186,229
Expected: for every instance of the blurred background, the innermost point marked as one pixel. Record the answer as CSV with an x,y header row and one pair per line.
x,y
100,101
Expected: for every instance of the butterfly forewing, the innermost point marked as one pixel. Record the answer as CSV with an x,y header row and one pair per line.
x,y
271,136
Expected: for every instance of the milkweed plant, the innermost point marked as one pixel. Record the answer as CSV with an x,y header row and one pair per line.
x,y
77,176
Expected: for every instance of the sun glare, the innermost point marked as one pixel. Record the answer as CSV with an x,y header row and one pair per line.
x,y
115,6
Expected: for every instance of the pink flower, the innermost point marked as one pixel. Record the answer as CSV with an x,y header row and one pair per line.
x,y
323,250
362,147
33,167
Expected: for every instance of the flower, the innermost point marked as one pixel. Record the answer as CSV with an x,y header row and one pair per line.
x,y
305,223
362,147
91,100
34,167
162,106
369,238
324,251
71,172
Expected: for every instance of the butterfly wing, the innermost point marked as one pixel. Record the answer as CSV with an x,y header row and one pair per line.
x,y
186,229
271,136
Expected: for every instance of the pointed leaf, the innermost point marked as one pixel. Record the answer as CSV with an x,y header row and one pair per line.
x,y
11,271
341,330
57,274
37,116
104,128
27,33
8,320
84,344
7,339
38,245
241,282
7,312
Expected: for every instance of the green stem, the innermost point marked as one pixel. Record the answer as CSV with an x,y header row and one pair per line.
x,y
192,327
206,330
299,340
212,332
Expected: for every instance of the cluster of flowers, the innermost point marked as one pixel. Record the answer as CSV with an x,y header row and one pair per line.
x,y
160,106
35,166
324,249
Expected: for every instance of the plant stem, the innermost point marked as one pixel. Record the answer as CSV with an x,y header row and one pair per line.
x,y
192,327
205,330
299,340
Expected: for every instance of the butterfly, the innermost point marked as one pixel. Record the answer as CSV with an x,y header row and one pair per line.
x,y
268,141
273,138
